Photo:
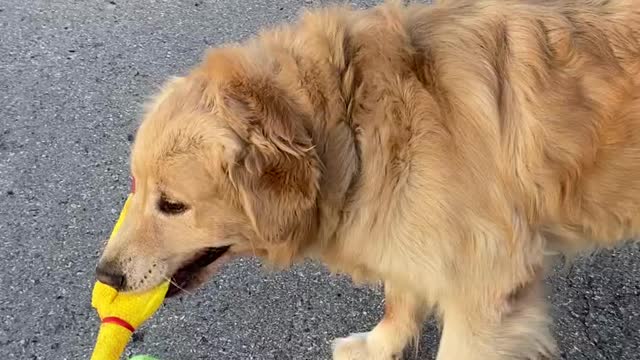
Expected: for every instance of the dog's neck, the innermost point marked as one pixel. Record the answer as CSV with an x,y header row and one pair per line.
x,y
327,82
336,141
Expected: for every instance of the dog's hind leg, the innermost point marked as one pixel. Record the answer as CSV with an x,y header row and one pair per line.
x,y
401,324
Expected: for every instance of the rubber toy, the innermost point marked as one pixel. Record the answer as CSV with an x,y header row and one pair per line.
x,y
121,313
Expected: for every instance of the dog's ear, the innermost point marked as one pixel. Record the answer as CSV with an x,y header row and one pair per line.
x,y
277,172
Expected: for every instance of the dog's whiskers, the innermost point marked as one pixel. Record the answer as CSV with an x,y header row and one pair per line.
x,y
170,280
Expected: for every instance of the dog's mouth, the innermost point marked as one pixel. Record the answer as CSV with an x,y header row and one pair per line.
x,y
195,271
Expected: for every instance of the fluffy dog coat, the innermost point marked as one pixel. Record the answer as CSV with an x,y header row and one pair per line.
x,y
439,149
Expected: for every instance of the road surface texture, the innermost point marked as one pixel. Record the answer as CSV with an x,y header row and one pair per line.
x,y
74,75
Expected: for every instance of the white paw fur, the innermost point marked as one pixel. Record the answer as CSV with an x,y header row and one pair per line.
x,y
356,347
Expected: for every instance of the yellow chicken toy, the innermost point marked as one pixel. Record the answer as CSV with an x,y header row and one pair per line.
x,y
121,313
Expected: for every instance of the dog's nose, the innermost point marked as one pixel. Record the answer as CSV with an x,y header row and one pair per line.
x,y
108,274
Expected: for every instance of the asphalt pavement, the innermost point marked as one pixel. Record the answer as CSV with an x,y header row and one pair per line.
x,y
74,75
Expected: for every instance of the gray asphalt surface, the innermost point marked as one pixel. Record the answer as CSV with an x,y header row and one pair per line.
x,y
73,77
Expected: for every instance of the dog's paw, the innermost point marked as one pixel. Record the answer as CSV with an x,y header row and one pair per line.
x,y
356,347
353,347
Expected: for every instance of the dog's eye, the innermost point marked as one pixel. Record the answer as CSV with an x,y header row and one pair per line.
x,y
170,207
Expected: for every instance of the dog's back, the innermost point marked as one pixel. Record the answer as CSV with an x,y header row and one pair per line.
x,y
552,90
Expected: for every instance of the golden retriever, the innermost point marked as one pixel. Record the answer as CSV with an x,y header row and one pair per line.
x,y
441,150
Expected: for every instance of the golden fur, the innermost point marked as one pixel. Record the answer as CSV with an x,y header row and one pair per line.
x,y
442,150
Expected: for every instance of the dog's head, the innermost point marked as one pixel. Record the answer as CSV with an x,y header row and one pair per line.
x,y
223,165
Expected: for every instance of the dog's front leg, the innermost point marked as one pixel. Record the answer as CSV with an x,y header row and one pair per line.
x,y
508,328
401,324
